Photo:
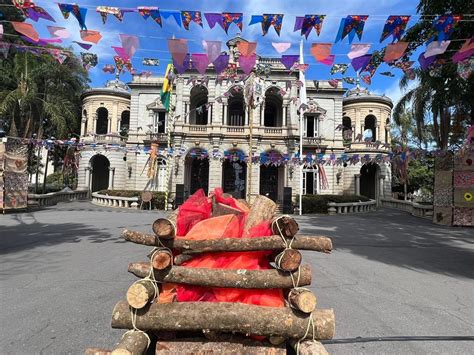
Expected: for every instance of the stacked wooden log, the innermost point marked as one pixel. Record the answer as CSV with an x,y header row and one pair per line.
x,y
223,327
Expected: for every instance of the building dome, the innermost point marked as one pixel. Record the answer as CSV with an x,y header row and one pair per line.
x,y
363,95
114,87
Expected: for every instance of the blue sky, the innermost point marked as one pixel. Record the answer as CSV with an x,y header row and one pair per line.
x,y
153,38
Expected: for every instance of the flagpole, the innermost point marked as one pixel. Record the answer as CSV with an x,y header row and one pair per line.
x,y
302,101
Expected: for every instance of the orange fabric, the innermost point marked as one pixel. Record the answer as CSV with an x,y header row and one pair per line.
x,y
321,51
247,48
168,293
91,36
226,226
26,29
394,51
196,208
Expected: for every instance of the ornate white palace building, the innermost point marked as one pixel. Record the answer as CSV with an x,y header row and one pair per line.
x,y
132,116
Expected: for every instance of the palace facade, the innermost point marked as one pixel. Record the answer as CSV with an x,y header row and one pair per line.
x,y
211,131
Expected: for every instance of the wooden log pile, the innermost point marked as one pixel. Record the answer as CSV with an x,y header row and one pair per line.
x,y
151,316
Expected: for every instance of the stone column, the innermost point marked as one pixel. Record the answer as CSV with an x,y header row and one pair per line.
x,y
224,122
94,125
262,115
353,127
357,184
377,132
285,108
381,186
215,173
111,178
88,171
209,113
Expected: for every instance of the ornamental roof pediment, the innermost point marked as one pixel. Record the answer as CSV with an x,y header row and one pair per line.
x,y
155,105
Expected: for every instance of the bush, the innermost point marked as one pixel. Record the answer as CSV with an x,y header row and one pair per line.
x,y
158,201
319,203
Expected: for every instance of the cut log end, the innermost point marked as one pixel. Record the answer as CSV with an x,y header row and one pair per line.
x,y
285,226
288,260
309,347
132,343
161,259
140,294
302,300
97,351
164,228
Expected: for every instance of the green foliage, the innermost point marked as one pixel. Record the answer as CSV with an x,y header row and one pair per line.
x,y
319,203
158,201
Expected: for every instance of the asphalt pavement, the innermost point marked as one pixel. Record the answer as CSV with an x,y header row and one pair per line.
x,y
62,269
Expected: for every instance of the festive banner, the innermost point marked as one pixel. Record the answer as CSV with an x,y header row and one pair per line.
x,y
328,60
350,26
59,55
367,79
153,12
349,80
358,50
183,66
104,11
339,68
425,62
36,12
213,19
91,36
395,27
247,48
321,51
130,44
289,60
307,23
191,16
178,49
120,64
444,26
200,62
394,51
220,63
42,41
175,14
59,32
25,29
466,51
361,62
89,60
121,53
334,83
108,68
85,46
373,64
78,12
247,63
268,20
229,18
281,47
435,48
212,48
151,62
387,73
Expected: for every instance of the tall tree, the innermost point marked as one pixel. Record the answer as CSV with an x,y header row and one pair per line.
x,y
441,99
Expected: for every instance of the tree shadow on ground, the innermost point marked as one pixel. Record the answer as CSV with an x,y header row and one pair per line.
x,y
397,238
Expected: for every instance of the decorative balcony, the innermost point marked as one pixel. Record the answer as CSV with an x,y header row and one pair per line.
x,y
109,138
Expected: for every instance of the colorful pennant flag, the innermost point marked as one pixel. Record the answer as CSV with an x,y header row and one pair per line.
x,y
36,12
120,64
221,63
387,73
185,65
213,19
281,47
91,36
175,14
307,23
435,48
395,27
358,50
167,88
247,62
229,18
466,51
367,79
152,62
153,12
89,60
349,80
85,46
59,55
350,26
444,26
191,16
59,32
104,11
321,51
212,48
268,20
26,29
360,62
334,83
120,51
394,51
339,68
78,12
200,62
373,64
130,44
289,60
178,49
425,62
108,68
42,41
247,48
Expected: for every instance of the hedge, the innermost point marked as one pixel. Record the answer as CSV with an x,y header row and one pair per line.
x,y
319,203
158,201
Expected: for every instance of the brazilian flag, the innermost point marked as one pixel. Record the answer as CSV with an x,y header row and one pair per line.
x,y
167,88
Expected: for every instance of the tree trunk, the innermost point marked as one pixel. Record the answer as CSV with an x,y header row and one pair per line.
x,y
274,242
263,209
261,279
165,228
309,347
286,225
302,300
227,317
219,209
132,343
140,293
200,346
288,260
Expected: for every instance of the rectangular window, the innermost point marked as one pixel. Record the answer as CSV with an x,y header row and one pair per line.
x,y
159,124
311,126
310,182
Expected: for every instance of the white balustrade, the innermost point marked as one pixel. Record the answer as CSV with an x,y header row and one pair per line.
x,y
351,207
115,201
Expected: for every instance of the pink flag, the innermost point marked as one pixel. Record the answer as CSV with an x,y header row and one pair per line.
x,y
247,48
435,48
59,32
26,29
394,51
358,50
281,47
329,60
213,49
247,62
91,36
178,49
121,53
321,51
130,44
200,62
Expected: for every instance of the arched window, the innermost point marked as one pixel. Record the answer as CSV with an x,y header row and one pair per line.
x,y
102,121
198,107
369,128
85,120
310,181
236,109
273,108
346,128
125,123
161,175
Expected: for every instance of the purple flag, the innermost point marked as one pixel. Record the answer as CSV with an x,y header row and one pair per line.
x,y
298,23
213,18
200,62
289,60
247,62
213,49
361,62
181,68
220,64
86,46
425,62
130,44
178,49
